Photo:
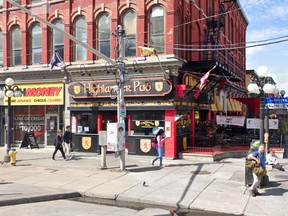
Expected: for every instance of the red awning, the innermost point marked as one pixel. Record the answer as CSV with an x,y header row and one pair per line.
x,y
252,103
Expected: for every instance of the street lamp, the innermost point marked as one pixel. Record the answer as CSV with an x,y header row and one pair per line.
x,y
260,85
9,90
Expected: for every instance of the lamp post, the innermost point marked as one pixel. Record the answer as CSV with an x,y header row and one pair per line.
x,y
260,85
10,90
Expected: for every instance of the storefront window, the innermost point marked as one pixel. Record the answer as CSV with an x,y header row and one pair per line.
x,y
143,122
183,123
29,118
86,123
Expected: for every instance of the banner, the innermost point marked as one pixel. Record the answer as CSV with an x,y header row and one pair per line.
x,y
231,120
38,94
254,123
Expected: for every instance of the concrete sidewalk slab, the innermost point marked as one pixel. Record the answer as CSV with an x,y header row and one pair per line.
x,y
226,196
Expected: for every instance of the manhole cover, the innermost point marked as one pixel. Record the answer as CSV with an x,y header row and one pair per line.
x,y
204,172
282,176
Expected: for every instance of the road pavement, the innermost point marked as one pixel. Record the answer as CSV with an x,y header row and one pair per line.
x,y
211,186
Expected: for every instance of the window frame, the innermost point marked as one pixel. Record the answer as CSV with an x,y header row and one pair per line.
x,y
130,37
58,46
13,49
38,47
159,47
104,40
78,46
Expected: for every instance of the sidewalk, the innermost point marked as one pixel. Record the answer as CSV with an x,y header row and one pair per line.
x,y
215,186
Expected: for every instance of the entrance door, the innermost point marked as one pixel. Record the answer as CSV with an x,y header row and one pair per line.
x,y
52,125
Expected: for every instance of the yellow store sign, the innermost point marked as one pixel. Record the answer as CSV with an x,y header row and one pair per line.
x,y
39,94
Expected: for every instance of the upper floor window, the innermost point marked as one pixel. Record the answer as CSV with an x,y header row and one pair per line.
x,y
36,42
16,47
58,39
104,34
80,34
156,29
1,48
35,1
129,24
1,4
17,1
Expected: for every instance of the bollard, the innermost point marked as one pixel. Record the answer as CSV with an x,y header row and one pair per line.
x,y
103,157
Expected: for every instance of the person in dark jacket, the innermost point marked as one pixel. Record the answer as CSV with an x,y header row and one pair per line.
x,y
58,145
68,141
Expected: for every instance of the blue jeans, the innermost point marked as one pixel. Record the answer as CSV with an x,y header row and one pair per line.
x,y
160,155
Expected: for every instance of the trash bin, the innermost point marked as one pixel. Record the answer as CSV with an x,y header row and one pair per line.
x,y
12,154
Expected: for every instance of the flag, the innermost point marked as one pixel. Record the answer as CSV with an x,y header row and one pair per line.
x,y
55,60
221,83
146,51
203,81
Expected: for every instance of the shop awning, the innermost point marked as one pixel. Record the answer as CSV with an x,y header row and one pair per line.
x,y
216,107
229,105
251,103
233,105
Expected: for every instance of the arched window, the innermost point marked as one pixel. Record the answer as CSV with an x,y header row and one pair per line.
x,y
58,39
36,41
156,28
80,34
129,24
104,23
1,48
16,47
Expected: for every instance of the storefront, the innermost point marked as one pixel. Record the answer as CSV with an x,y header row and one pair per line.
x,y
150,102
38,109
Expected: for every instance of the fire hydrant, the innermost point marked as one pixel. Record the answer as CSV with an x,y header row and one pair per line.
x,y
12,154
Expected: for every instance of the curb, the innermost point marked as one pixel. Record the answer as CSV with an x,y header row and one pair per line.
x,y
39,198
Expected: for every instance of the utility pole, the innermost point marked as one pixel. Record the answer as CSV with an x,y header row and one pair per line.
x,y
123,77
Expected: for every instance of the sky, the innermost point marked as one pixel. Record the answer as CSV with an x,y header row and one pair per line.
x,y
268,19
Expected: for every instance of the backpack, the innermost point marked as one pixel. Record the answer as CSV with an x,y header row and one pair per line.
x,y
154,142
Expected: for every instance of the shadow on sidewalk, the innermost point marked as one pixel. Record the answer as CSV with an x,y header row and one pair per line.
x,y
145,169
275,192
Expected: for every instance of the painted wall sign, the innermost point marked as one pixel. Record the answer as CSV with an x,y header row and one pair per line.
x,y
145,87
38,94
145,145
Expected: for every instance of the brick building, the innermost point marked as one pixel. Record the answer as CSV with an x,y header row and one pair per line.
x,y
178,30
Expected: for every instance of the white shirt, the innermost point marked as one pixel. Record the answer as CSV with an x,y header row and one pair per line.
x,y
272,159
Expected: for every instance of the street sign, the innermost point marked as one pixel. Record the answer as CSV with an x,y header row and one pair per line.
x,y
276,103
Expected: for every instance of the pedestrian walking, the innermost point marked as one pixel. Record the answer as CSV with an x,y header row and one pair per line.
x,y
67,141
58,145
160,142
259,157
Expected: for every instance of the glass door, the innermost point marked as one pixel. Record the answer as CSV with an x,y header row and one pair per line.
x,y
52,125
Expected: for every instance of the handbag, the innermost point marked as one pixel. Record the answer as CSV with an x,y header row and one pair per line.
x,y
259,171
250,164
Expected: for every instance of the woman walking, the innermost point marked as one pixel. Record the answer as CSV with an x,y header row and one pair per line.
x,y
160,141
58,145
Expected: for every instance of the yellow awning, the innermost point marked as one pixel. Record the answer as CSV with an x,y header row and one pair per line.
x,y
216,107
229,105
218,104
234,105
239,106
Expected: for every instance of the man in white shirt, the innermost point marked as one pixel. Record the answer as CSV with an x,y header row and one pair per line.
x,y
272,159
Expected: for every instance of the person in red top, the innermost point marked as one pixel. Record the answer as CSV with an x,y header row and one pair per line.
x,y
160,141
